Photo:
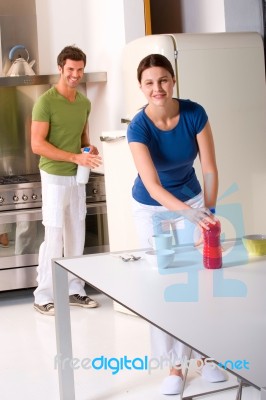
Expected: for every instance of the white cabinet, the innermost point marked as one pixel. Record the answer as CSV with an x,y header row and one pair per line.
x,y
120,173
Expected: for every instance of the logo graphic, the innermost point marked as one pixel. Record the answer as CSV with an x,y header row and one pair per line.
x,y
143,363
184,233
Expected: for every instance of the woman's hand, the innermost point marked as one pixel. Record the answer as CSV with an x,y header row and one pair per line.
x,y
199,216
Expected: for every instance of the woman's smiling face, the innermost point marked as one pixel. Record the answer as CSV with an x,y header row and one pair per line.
x,y
157,84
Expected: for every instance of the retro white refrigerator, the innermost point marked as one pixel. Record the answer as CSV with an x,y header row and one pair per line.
x,y
224,72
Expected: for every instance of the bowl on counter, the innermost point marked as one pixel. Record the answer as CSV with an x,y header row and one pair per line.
x,y
255,244
160,258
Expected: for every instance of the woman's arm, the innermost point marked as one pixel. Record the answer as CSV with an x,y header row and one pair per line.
x,y
208,166
151,181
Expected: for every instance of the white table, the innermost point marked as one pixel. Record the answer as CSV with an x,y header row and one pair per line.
x,y
220,313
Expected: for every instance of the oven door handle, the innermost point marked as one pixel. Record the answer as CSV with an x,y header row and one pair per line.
x,y
111,138
20,215
96,208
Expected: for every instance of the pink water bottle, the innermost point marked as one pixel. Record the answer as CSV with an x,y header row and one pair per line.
x,y
212,250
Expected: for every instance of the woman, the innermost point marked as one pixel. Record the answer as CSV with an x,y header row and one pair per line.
x,y
165,137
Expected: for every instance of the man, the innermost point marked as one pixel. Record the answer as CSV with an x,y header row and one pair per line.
x,y
59,132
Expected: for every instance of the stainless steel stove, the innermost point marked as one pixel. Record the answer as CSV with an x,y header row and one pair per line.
x,y
18,192
95,188
24,191
21,222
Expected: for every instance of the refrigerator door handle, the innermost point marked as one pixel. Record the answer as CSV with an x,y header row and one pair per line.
x,y
111,138
125,121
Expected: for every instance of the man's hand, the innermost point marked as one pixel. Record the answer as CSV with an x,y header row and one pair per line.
x,y
90,159
93,149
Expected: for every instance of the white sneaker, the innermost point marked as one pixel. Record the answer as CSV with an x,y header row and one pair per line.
x,y
212,373
172,385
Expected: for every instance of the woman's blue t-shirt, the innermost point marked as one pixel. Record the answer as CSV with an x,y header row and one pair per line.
x,y
173,152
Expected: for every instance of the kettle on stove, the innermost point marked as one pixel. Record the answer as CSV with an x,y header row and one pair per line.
x,y
20,66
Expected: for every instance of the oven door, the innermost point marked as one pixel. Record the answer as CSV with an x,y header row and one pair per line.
x,y
97,238
25,233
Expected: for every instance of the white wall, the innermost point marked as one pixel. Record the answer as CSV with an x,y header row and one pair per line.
x,y
221,16
203,16
244,15
100,28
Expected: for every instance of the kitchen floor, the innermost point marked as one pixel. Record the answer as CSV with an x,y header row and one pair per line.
x,y
28,367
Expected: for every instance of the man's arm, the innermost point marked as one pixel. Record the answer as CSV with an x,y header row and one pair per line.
x,y
85,137
40,146
85,140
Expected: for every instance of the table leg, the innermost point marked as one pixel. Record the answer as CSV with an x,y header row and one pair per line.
x,y
263,393
239,390
185,377
64,361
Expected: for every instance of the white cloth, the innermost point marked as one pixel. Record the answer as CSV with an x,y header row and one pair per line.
x,y
184,232
64,212
27,237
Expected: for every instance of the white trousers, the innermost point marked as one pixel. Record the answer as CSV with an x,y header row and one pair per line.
x,y
184,232
64,212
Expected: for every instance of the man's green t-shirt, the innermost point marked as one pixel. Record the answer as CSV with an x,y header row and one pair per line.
x,y
67,121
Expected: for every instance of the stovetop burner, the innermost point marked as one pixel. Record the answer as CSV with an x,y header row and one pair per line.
x,y
9,179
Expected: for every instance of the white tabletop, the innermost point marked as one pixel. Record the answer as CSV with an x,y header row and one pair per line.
x,y
220,313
